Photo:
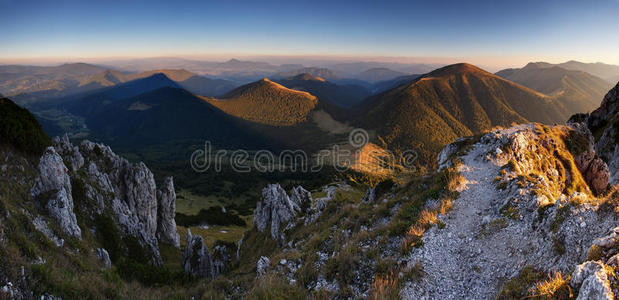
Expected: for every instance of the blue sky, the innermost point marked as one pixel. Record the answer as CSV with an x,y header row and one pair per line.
x,y
503,31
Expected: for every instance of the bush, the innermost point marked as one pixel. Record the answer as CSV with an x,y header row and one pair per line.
x,y
20,129
150,275
211,216
109,237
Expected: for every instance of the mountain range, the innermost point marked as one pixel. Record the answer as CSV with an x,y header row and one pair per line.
x,y
454,101
577,90
306,111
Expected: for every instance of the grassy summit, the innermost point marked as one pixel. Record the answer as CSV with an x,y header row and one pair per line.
x,y
267,102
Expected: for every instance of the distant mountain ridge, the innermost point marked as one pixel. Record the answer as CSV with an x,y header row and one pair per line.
x,y
602,70
578,90
317,72
342,95
378,74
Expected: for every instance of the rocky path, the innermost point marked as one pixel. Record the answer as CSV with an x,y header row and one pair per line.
x,y
459,261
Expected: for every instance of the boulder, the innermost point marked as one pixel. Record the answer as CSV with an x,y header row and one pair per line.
x,y
594,170
592,281
52,189
222,257
196,259
370,195
262,266
446,154
104,257
166,225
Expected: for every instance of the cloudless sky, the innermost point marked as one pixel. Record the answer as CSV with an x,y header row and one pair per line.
x,y
505,30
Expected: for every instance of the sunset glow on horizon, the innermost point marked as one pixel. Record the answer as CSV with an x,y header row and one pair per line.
x,y
487,33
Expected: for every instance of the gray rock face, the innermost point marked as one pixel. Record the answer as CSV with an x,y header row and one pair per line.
x,y
104,257
54,184
276,208
604,121
70,153
262,266
125,191
222,258
370,195
41,225
196,260
593,168
445,154
166,225
592,281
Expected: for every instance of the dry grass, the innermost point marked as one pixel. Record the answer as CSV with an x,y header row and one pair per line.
x,y
446,206
385,287
554,286
427,218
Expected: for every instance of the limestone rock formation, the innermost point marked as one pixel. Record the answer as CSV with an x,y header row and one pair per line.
x,y
370,195
591,280
276,208
53,185
196,260
104,257
222,257
166,226
70,153
604,124
125,191
262,266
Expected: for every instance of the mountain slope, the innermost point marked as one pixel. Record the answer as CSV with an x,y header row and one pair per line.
x,y
267,102
165,115
340,95
382,86
451,102
17,79
190,81
578,90
378,74
90,103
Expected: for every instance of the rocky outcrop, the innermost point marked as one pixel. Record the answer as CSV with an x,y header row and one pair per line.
x,y
276,208
591,281
41,225
262,266
104,257
166,227
196,260
124,191
369,196
604,124
593,169
70,153
222,257
52,190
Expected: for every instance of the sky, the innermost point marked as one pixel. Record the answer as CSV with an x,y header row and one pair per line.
x,y
506,33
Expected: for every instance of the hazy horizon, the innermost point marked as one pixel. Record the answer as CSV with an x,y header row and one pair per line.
x,y
309,61
489,34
